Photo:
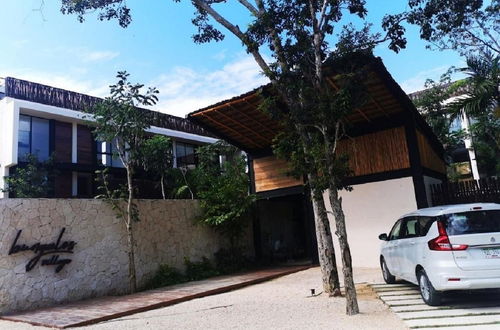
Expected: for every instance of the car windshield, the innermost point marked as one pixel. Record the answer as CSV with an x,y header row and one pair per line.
x,y
474,222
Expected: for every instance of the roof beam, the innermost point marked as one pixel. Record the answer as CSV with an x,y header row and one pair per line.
x,y
357,109
252,142
241,112
242,125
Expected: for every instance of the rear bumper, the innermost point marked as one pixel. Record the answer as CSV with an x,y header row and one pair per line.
x,y
463,280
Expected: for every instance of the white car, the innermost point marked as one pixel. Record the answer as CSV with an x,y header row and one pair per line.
x,y
453,247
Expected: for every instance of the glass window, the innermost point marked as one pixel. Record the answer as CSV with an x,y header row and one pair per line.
x,y
33,137
473,222
410,228
424,224
107,156
395,231
185,155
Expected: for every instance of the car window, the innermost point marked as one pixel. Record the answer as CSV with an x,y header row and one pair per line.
x,y
424,224
395,231
473,222
409,228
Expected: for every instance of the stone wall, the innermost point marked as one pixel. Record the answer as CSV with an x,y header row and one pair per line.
x,y
99,264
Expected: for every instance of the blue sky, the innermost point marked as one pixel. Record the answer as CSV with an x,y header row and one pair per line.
x,y
48,47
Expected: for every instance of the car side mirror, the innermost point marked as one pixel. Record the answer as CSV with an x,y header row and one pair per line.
x,y
383,237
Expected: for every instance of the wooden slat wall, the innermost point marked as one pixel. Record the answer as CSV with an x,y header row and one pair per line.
x,y
377,152
428,156
62,142
85,143
271,173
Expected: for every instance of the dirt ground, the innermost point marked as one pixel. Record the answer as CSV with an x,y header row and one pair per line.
x,y
284,303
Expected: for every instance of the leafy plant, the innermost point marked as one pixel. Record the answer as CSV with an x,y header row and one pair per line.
x,y
31,180
200,270
165,276
117,120
223,190
158,158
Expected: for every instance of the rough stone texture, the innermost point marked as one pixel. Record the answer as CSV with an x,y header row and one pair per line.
x,y
166,234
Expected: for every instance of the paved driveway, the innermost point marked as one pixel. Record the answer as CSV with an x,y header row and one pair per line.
x,y
460,310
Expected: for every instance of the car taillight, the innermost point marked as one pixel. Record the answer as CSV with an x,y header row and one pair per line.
x,y
442,242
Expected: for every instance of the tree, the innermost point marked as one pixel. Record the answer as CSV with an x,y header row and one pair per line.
x,y
158,158
117,120
223,190
32,180
296,33
432,105
481,103
462,25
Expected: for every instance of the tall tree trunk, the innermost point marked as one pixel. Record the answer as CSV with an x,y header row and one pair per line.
x,y
350,290
326,250
130,234
162,186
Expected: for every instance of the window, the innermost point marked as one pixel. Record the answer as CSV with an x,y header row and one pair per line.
x,y
424,224
33,137
185,155
107,156
410,228
395,231
474,222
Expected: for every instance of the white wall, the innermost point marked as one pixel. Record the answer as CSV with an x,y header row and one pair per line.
x,y
9,123
371,209
428,181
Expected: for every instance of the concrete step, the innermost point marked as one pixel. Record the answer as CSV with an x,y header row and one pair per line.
x,y
401,297
455,321
449,312
407,302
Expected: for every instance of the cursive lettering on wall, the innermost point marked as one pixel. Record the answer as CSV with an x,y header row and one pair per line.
x,y
45,254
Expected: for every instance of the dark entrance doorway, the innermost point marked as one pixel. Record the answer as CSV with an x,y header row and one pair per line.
x,y
283,230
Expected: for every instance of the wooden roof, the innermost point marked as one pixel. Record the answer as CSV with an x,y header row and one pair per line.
x,y
240,121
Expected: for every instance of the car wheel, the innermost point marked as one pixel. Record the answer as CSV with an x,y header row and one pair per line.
x,y
388,277
430,296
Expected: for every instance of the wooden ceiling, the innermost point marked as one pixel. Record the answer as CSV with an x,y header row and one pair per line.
x,y
241,122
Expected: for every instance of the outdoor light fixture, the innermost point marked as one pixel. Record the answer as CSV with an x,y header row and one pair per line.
x,y
313,291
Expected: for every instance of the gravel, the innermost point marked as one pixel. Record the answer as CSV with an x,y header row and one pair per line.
x,y
283,303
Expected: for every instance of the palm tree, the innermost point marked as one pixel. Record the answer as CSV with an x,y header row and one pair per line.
x,y
481,104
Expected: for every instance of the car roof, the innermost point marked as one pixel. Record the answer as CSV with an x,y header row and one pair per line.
x,y
456,208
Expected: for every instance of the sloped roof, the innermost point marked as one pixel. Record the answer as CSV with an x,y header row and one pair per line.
x,y
240,121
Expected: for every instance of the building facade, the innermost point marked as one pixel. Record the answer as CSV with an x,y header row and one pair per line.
x,y
47,121
393,154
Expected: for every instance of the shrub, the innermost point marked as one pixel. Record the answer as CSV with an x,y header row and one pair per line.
x,y
164,276
196,271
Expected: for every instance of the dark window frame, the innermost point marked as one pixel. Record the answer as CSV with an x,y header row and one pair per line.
x,y
21,158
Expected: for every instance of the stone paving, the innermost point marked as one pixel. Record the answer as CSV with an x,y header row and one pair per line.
x,y
461,310
96,310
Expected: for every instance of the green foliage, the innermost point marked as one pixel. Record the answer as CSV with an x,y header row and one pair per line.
x,y
31,180
467,26
165,276
229,261
195,271
158,158
432,106
223,190
200,270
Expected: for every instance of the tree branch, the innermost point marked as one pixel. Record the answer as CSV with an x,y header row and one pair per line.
x,y
234,29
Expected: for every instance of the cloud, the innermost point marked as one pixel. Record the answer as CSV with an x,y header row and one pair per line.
x,y
184,89
417,82
93,56
64,81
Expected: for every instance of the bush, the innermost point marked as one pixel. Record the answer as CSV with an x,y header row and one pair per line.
x,y
164,276
196,271
231,260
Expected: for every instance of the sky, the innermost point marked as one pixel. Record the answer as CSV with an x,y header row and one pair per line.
x,y
40,44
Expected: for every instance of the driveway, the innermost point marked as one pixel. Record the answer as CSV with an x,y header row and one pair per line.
x,y
459,311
